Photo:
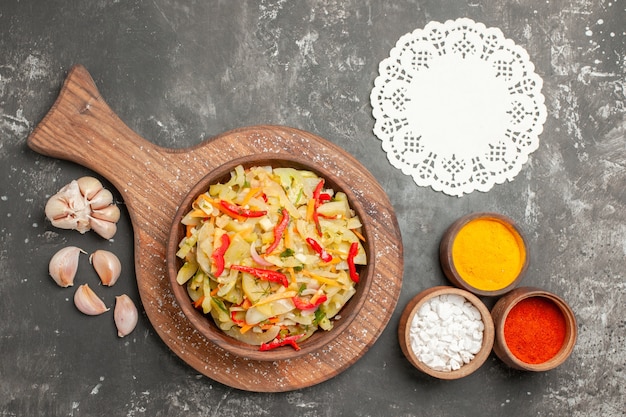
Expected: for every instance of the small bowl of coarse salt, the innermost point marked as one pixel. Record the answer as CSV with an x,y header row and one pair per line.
x,y
446,332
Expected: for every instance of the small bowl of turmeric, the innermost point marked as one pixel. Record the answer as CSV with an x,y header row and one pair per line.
x,y
484,253
535,330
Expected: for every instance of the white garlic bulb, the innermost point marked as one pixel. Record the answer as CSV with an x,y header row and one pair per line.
x,y
82,205
88,302
125,315
64,264
107,265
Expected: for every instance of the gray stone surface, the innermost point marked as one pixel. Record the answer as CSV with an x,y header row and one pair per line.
x,y
178,72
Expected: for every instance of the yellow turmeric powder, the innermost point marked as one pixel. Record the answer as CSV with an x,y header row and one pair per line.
x,y
488,254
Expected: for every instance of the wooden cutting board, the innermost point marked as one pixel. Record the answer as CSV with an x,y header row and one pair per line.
x,y
152,180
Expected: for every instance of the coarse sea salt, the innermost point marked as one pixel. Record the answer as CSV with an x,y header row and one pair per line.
x,y
446,332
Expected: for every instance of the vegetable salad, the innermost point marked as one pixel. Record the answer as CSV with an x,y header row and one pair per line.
x,y
271,255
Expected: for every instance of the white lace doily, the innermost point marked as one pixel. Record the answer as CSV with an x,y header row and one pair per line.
x,y
458,107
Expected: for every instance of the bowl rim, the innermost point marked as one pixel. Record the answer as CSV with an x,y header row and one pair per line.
x,y
504,306
205,324
409,313
447,260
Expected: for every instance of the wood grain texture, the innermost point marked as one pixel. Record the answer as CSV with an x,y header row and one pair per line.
x,y
80,127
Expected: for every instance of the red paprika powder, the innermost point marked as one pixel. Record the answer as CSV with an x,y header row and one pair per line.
x,y
534,330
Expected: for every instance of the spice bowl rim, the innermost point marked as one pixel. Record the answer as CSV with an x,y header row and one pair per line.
x,y
205,325
411,310
500,312
446,258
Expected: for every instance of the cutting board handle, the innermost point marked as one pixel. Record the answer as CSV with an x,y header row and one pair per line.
x,y
82,128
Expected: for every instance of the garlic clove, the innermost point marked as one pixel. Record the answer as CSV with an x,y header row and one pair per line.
x,y
109,213
70,222
88,302
57,209
102,199
63,266
107,265
103,228
89,186
125,315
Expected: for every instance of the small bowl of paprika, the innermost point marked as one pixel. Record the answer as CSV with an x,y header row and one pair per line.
x,y
484,253
535,329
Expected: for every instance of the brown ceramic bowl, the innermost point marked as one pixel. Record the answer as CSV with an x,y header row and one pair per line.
x,y
501,310
446,256
409,314
205,324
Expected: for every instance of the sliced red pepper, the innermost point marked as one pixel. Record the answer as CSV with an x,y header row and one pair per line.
x,y
238,211
324,197
279,230
326,257
218,254
354,249
302,304
284,341
318,190
316,220
237,321
316,199
264,274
